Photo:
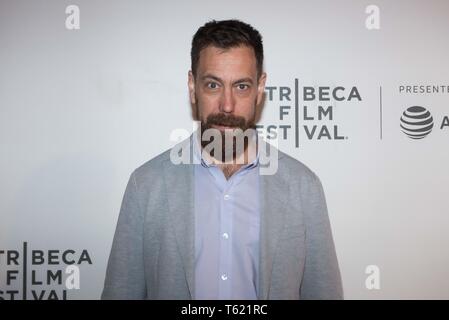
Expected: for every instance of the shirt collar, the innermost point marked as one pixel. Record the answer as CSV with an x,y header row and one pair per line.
x,y
206,159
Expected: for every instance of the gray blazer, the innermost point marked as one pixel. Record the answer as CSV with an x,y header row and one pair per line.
x,y
152,255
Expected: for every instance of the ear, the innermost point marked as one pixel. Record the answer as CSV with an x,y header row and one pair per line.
x,y
261,87
191,84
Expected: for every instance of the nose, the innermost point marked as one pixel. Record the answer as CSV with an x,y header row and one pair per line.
x,y
227,101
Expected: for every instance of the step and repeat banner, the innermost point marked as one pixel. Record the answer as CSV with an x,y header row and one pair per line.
x,y
356,90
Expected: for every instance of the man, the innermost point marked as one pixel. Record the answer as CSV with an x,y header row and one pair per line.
x,y
219,229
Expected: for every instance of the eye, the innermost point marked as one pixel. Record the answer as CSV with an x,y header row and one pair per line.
x,y
242,86
212,85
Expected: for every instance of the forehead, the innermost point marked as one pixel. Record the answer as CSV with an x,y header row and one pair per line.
x,y
237,61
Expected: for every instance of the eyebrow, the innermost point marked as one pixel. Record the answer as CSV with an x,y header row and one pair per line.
x,y
211,76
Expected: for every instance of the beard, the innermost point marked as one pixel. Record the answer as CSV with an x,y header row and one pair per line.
x,y
230,137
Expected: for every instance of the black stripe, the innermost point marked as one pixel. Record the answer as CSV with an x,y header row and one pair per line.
x,y
427,121
417,116
419,130
24,265
296,114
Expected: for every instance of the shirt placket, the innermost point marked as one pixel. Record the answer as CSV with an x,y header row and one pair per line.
x,y
226,218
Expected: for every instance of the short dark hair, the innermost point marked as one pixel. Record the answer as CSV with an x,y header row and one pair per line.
x,y
226,34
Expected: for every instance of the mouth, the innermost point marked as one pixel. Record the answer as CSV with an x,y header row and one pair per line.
x,y
222,128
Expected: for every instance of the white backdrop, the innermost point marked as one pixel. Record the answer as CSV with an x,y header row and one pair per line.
x,y
80,109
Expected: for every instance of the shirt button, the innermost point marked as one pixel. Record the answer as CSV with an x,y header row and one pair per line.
x,y
225,235
224,277
226,197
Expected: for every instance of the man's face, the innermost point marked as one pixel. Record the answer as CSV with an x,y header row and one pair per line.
x,y
226,90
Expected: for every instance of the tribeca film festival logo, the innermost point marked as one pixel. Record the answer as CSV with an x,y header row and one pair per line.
x,y
40,274
417,122
308,112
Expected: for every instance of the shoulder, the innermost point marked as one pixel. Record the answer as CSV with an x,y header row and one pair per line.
x,y
151,171
153,164
295,171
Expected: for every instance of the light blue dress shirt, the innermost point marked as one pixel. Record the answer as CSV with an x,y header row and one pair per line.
x,y
227,220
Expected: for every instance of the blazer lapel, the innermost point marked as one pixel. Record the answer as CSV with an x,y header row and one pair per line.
x,y
273,198
179,182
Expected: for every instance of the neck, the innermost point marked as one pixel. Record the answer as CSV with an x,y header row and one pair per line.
x,y
230,167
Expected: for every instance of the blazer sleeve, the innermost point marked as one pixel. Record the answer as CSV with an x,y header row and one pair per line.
x,y
321,277
125,277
